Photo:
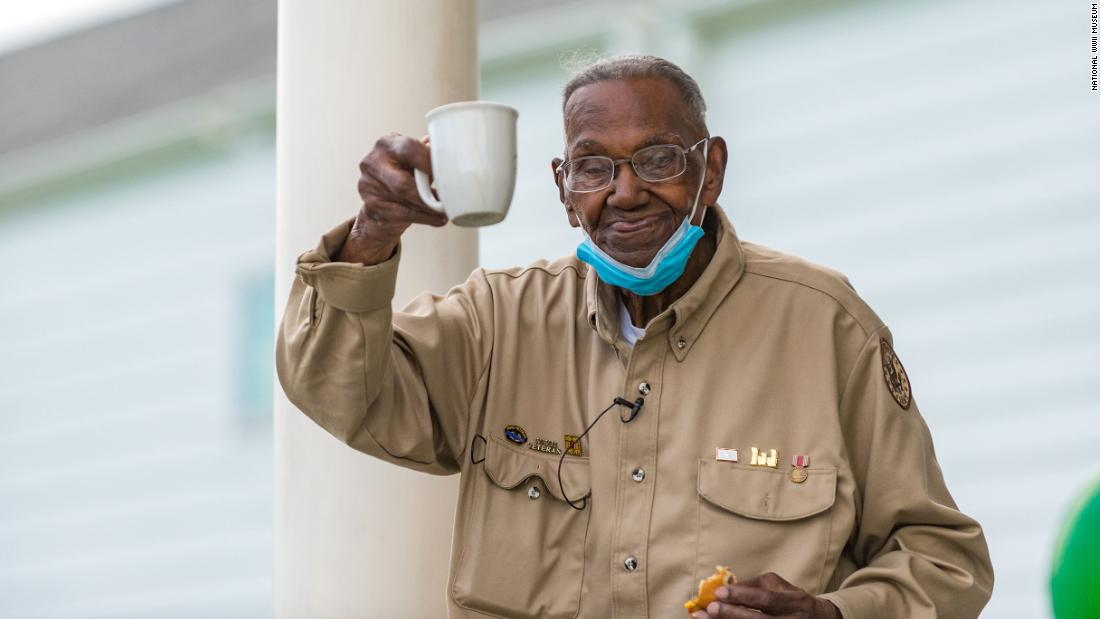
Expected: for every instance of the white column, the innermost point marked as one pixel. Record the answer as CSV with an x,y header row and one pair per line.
x,y
355,536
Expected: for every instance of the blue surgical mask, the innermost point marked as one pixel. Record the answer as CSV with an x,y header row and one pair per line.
x,y
667,265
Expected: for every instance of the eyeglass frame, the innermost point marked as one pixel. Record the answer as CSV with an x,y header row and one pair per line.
x,y
616,162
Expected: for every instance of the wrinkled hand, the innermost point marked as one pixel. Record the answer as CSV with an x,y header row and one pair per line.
x,y
390,200
766,597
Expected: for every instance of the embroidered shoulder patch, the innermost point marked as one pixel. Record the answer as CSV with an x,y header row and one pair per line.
x,y
894,374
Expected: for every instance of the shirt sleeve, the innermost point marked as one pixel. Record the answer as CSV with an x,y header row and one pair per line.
x,y
920,556
395,385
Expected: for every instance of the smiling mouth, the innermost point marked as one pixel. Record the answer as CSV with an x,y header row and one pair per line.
x,y
636,225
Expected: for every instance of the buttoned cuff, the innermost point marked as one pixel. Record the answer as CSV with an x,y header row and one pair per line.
x,y
855,603
344,285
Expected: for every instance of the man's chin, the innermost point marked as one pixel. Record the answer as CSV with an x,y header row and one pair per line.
x,y
636,252
639,259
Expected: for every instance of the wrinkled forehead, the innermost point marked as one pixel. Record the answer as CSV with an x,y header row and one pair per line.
x,y
621,116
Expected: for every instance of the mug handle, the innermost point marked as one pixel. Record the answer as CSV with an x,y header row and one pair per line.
x,y
423,187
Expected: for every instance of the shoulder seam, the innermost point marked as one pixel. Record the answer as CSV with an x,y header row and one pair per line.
x,y
866,331
524,270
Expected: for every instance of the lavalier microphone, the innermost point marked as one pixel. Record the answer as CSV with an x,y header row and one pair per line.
x,y
635,408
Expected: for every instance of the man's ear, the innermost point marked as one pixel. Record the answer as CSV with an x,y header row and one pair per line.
x,y
717,156
554,163
559,181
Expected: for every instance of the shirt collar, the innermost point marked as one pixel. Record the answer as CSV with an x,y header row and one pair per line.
x,y
688,315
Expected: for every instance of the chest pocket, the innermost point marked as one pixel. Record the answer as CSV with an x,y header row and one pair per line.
x,y
757,520
523,551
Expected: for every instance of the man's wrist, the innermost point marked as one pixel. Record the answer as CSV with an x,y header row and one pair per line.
x,y
368,252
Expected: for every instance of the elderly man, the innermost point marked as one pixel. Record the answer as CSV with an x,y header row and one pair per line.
x,y
761,418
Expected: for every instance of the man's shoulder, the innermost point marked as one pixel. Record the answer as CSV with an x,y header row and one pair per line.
x,y
828,284
533,289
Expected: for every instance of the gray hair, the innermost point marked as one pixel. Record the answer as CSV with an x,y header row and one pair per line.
x,y
588,70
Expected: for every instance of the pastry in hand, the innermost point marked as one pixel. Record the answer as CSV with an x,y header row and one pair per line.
x,y
723,576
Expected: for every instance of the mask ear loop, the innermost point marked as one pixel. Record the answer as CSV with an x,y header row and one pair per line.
x,y
584,502
702,181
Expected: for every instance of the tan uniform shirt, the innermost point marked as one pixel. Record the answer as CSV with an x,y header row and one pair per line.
x,y
766,351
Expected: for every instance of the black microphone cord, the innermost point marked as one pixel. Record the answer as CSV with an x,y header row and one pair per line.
x,y
635,408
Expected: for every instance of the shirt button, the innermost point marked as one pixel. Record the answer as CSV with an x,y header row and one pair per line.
x,y
638,474
630,564
533,492
644,388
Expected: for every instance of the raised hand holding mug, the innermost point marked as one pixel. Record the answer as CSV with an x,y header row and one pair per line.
x,y
473,148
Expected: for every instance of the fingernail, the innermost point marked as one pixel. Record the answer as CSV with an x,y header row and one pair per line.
x,y
700,615
722,593
714,608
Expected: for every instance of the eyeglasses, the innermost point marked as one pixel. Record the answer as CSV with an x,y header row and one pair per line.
x,y
654,164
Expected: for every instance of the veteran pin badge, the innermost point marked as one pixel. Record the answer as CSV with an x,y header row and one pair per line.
x,y
545,446
894,375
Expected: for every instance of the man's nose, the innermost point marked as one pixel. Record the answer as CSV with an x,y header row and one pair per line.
x,y
627,190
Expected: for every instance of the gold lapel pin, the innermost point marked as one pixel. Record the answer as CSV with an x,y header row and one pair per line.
x,y
768,458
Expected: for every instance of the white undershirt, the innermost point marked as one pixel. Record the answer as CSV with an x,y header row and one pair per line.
x,y
626,327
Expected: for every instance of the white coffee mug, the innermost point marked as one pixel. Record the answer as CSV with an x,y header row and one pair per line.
x,y
473,147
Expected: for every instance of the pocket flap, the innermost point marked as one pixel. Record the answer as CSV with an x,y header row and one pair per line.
x,y
766,493
509,466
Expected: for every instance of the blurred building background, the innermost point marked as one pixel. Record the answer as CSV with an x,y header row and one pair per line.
x,y
941,153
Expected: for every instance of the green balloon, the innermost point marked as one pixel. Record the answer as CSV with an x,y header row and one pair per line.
x,y
1075,576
